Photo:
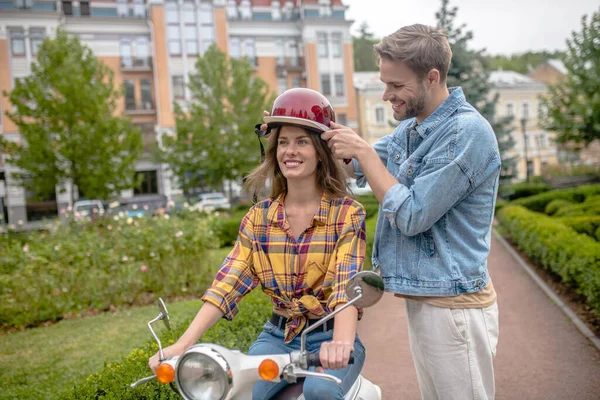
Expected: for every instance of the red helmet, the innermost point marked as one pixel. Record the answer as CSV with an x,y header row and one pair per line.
x,y
302,107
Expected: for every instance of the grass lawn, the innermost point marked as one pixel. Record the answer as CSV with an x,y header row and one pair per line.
x,y
41,363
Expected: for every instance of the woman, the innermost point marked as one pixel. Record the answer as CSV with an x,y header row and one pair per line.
x,y
302,245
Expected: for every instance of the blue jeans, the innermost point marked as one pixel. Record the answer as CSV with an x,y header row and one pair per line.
x,y
270,341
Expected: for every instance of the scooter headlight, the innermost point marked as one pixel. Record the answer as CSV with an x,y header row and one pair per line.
x,y
203,374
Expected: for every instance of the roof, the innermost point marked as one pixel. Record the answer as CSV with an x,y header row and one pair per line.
x,y
367,80
558,65
511,78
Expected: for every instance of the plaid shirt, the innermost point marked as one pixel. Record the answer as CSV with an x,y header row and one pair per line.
x,y
308,275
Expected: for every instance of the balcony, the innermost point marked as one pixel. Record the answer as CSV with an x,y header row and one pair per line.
x,y
289,64
144,108
133,64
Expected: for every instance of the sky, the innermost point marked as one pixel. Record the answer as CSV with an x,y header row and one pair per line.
x,y
500,26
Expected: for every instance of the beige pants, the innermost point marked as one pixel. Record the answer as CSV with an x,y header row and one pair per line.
x,y
453,350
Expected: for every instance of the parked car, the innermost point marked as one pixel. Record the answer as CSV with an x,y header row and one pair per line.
x,y
358,191
88,208
211,202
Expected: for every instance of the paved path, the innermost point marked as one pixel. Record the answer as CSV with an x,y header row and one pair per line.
x,y
541,354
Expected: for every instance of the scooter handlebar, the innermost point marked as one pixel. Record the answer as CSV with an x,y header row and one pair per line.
x,y
313,359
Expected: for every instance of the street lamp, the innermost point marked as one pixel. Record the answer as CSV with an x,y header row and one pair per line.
x,y
523,124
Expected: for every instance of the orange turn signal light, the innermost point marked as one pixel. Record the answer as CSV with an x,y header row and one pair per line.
x,y
165,373
268,370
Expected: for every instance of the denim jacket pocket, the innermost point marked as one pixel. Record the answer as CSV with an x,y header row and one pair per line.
x,y
428,244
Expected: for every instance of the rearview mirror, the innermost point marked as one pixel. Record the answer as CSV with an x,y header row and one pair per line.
x,y
369,285
164,314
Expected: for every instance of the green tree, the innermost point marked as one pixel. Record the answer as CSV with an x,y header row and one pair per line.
x,y
363,50
214,139
470,71
522,62
573,104
65,113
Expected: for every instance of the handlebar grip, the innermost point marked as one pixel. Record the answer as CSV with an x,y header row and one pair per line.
x,y
313,359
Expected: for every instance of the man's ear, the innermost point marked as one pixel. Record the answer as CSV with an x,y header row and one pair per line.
x,y
433,77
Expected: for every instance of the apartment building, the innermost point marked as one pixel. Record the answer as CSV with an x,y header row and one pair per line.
x,y
152,46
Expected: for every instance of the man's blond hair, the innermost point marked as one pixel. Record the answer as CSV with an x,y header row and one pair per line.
x,y
421,47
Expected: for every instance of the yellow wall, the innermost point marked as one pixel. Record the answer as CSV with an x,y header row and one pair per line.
x,y
350,111
5,85
267,71
312,81
222,35
163,100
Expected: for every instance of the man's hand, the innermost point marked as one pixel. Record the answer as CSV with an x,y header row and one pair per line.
x,y
344,142
264,127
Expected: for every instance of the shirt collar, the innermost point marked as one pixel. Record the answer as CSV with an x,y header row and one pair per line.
x,y
448,106
276,211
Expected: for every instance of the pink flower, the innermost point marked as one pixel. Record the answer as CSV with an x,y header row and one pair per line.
x,y
144,268
25,248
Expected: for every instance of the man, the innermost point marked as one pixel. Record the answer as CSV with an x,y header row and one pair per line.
x,y
436,179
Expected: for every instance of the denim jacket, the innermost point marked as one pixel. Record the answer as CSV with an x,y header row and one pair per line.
x,y
434,227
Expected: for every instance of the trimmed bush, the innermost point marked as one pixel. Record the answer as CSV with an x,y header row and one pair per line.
x,y
370,204
583,224
555,205
499,204
539,202
114,380
591,206
572,256
69,270
523,189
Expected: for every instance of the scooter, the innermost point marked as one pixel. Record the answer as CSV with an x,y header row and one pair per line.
x,y
211,372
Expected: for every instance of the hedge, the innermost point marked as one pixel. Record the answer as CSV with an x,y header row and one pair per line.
x,y
540,201
114,380
591,206
559,248
523,189
588,225
75,269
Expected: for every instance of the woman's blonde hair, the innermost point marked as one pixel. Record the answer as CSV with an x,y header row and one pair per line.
x,y
331,178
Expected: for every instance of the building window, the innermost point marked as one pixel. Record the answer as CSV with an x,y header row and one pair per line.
x,y
174,38
281,85
23,4
36,38
510,110
139,9
142,52
342,120
148,184
178,87
129,94
296,82
322,44
191,39
17,42
293,54
189,14
235,49
126,53
336,45
67,7
339,85
122,8
84,8
245,10
380,115
206,14
326,85
146,89
172,13
250,51
525,111
279,53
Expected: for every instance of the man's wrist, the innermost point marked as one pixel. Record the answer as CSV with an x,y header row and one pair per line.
x,y
364,153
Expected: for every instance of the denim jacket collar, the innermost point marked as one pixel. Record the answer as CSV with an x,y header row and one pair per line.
x,y
448,106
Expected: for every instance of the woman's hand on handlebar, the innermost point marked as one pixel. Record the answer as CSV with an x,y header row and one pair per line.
x,y
173,350
335,354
